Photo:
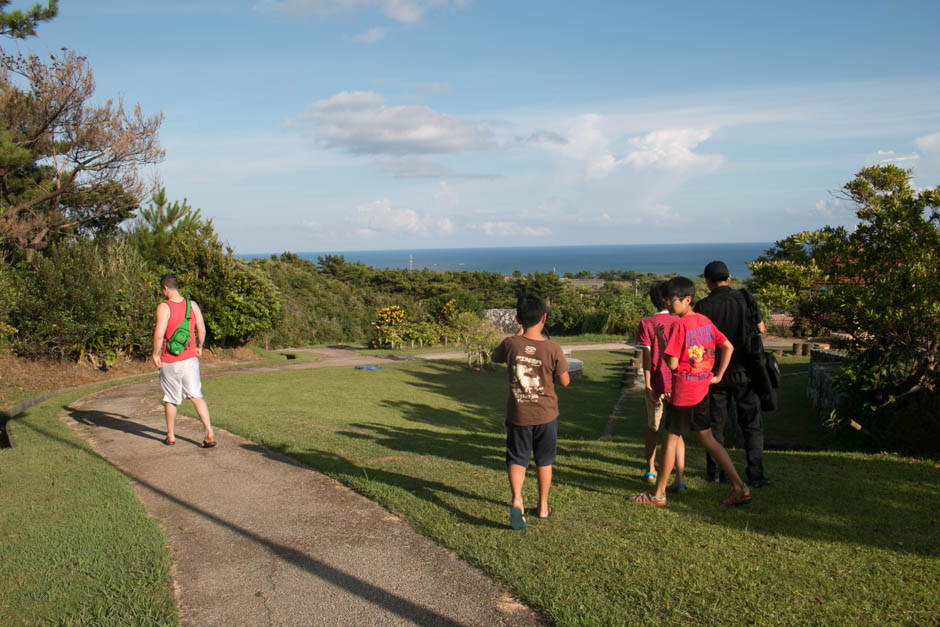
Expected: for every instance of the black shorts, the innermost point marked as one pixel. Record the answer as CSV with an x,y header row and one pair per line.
x,y
680,420
537,440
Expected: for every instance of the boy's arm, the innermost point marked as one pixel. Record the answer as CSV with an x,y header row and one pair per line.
x,y
564,379
672,362
648,376
726,350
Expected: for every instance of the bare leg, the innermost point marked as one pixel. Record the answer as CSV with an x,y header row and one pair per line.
x,y
170,411
202,410
545,483
516,479
668,461
650,449
721,457
680,461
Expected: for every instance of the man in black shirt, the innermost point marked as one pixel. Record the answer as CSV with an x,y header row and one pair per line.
x,y
728,310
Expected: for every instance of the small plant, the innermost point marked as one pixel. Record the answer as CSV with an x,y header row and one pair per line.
x,y
479,336
389,327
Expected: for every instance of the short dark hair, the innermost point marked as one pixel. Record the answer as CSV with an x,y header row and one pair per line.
x,y
529,309
679,287
169,281
658,295
717,271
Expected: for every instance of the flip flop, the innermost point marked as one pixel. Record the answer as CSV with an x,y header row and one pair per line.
x,y
650,477
678,488
545,517
737,498
516,519
169,442
648,498
208,443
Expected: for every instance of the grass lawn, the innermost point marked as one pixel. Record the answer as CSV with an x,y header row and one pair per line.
x,y
76,545
838,538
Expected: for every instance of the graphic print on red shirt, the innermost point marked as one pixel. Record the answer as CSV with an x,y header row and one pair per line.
x,y
693,341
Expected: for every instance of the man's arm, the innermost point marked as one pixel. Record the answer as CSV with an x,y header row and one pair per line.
x,y
159,332
200,329
726,350
672,362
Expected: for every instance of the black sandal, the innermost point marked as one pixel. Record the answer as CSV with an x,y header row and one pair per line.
x,y
208,443
168,441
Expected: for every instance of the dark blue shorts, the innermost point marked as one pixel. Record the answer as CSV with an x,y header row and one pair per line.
x,y
679,420
538,440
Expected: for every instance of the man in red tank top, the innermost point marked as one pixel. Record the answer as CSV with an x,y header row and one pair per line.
x,y
179,374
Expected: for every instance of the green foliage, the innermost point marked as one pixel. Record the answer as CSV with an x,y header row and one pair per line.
x,y
623,309
885,292
879,283
19,24
238,302
89,299
479,337
389,327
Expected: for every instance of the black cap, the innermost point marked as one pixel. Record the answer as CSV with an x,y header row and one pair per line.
x,y
717,271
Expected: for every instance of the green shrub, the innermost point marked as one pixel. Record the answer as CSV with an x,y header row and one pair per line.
x,y
91,299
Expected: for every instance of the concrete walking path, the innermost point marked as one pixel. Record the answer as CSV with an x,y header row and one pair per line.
x,y
259,539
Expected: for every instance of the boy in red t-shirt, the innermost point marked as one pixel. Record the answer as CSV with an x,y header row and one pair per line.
x,y
690,353
651,337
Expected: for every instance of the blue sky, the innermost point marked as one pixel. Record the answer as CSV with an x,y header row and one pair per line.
x,y
310,125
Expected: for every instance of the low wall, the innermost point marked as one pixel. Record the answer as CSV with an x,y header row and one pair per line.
x,y
821,391
502,319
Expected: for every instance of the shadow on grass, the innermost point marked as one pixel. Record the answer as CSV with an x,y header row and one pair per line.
x,y
391,602
348,470
827,497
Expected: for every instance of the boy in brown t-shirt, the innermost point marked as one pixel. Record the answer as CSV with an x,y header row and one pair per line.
x,y
532,410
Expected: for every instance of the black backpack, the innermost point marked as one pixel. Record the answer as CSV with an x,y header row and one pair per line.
x,y
762,366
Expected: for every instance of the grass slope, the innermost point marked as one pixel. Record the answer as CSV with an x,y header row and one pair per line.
x,y
838,538
76,545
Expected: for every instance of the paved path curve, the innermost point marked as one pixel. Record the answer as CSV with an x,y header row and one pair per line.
x,y
258,539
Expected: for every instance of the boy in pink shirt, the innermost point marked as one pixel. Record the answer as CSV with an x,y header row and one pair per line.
x,y
690,354
651,337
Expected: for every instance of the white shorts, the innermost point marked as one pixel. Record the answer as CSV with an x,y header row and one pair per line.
x,y
179,380
654,413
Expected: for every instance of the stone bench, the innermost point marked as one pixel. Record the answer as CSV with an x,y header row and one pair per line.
x,y
575,366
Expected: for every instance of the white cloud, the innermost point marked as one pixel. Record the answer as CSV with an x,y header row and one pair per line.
x,y
671,149
889,156
370,36
446,196
405,11
378,216
586,143
928,142
318,230
505,229
363,123
835,208
591,138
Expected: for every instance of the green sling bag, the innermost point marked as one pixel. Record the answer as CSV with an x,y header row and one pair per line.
x,y
180,338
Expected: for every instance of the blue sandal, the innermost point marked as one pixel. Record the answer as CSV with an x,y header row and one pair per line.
x,y
650,477
678,488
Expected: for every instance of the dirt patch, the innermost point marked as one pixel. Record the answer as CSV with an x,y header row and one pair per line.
x,y
22,379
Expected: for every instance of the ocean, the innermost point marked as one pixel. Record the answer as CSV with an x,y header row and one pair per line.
x,y
684,259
